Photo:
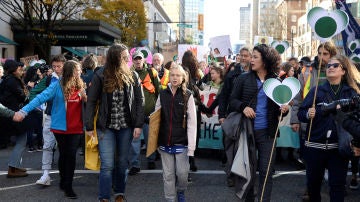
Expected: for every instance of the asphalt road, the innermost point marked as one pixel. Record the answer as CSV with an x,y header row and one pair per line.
x,y
208,184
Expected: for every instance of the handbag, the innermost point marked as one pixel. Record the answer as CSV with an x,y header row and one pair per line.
x,y
92,158
232,122
344,139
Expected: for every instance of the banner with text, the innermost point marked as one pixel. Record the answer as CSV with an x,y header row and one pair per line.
x,y
210,132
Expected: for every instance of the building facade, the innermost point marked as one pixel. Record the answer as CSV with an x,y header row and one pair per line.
x,y
190,13
245,33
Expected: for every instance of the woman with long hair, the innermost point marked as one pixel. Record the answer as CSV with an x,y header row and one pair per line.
x,y
249,98
117,91
322,144
191,66
68,95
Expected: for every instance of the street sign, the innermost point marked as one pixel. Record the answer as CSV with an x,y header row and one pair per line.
x,y
184,25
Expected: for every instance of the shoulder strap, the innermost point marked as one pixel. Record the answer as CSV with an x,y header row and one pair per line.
x,y
186,96
152,77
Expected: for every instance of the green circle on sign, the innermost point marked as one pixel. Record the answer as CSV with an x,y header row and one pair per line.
x,y
325,27
356,59
282,94
280,49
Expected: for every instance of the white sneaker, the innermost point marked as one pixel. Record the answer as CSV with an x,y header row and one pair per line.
x,y
44,180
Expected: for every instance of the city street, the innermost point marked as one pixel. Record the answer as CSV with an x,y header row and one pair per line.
x,y
208,183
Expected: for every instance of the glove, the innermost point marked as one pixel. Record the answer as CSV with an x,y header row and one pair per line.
x,y
340,116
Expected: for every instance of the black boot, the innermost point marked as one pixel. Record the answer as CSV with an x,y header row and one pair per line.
x,y
279,158
70,194
291,154
192,164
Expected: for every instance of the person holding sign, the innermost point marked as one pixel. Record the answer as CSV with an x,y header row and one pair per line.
x,y
322,145
248,97
177,138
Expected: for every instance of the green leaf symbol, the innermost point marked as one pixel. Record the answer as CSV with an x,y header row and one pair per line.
x,y
354,57
354,45
282,94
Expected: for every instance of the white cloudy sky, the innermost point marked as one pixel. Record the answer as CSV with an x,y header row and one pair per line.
x,y
221,17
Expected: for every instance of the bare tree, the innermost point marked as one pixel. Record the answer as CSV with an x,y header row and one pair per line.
x,y
272,23
40,18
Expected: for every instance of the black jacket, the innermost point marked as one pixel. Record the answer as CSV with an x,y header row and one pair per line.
x,y
351,123
172,117
12,96
134,106
224,97
245,91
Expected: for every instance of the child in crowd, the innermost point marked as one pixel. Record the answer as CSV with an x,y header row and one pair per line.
x,y
178,139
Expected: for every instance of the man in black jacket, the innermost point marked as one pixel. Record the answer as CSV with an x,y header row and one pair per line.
x,y
243,66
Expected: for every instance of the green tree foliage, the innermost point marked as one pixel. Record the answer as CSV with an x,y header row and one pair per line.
x,y
127,15
39,19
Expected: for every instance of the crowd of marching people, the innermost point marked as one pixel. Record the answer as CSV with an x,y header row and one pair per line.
x,y
52,107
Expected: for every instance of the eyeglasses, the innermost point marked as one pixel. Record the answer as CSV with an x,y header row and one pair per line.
x,y
335,65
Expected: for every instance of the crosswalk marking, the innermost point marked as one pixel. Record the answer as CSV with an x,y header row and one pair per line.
x,y
200,172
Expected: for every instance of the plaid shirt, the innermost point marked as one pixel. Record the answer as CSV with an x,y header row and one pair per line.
x,y
117,115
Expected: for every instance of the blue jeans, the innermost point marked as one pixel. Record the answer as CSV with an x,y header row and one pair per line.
x,y
18,150
113,148
134,156
49,144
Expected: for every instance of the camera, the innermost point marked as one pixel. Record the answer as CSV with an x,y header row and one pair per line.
x,y
43,68
347,105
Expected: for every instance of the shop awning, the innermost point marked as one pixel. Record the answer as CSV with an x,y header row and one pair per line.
x,y
7,41
74,33
74,51
82,52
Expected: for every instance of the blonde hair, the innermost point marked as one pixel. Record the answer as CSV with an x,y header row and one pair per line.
x,y
352,75
184,75
69,82
116,72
